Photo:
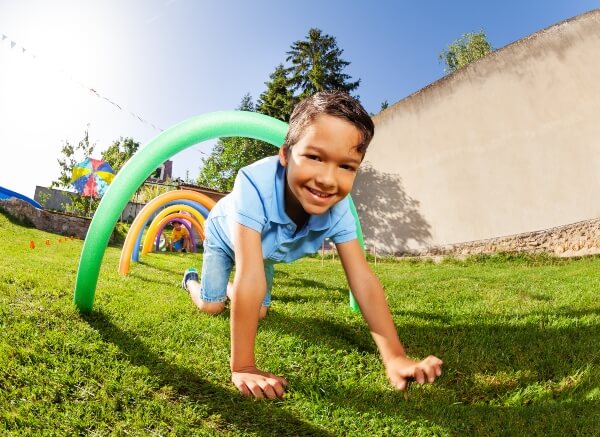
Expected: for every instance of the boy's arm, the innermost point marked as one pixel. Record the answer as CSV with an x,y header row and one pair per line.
x,y
370,296
249,287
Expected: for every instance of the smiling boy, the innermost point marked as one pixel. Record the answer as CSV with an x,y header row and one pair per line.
x,y
281,209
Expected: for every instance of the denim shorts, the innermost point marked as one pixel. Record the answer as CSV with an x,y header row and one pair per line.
x,y
216,268
177,245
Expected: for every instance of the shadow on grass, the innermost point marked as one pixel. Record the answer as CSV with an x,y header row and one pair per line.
x,y
22,221
318,330
552,418
327,293
149,277
246,415
177,272
543,361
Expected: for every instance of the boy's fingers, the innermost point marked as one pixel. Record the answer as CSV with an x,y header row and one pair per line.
x,y
281,380
419,375
430,372
401,383
278,387
244,390
256,390
267,389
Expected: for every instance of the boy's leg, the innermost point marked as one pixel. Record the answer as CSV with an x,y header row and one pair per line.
x,y
210,293
179,245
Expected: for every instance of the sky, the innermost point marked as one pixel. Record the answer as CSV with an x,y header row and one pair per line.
x,y
154,63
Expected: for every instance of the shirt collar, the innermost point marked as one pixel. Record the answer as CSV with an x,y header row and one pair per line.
x,y
278,214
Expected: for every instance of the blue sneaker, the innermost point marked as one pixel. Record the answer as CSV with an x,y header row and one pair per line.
x,y
190,274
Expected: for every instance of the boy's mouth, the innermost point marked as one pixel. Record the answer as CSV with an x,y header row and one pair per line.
x,y
319,193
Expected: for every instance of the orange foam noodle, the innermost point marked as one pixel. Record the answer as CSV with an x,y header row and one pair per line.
x,y
152,230
147,211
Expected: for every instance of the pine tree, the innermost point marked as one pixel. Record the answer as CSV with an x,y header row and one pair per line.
x,y
278,100
317,65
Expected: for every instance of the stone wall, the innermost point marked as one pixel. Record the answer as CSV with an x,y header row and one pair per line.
x,y
577,239
54,222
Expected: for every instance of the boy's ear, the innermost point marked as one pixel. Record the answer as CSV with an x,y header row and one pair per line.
x,y
283,155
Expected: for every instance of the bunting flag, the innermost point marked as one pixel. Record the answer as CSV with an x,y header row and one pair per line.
x,y
121,108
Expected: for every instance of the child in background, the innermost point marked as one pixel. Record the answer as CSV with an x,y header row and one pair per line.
x,y
281,209
180,238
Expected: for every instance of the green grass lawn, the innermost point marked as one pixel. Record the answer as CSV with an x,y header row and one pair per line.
x,y
520,338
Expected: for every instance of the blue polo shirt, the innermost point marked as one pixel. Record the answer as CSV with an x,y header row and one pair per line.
x,y
257,201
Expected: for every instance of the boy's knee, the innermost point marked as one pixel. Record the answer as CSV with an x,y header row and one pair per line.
x,y
211,307
263,312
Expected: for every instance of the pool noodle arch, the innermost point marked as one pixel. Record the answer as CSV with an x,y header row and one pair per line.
x,y
167,211
138,242
152,232
141,219
175,139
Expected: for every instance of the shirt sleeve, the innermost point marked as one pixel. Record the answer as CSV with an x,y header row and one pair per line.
x,y
248,204
344,229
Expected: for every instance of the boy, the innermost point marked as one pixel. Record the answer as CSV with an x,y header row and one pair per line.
x,y
180,238
281,208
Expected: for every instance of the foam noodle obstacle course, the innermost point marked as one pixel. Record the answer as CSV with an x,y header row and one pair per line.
x,y
134,235
170,142
169,213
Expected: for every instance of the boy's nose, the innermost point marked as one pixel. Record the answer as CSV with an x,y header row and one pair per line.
x,y
326,177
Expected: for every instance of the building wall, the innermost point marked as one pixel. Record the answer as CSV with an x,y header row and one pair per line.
x,y
507,145
57,200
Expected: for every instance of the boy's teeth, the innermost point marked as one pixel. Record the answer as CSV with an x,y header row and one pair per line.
x,y
318,193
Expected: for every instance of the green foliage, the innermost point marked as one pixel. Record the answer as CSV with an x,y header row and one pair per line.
x,y
278,100
463,51
230,154
315,64
519,342
149,191
119,152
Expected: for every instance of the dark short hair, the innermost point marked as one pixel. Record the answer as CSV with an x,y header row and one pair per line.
x,y
335,103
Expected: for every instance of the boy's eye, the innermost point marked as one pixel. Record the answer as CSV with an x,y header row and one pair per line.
x,y
348,167
313,157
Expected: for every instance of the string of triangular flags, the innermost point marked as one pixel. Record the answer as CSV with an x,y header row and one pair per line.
x,y
6,40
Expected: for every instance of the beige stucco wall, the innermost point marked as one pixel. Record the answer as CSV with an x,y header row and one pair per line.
x,y
509,144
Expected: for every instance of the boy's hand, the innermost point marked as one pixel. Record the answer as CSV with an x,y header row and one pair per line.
x,y
261,385
401,370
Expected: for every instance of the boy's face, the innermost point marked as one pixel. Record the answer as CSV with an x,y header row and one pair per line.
x,y
321,166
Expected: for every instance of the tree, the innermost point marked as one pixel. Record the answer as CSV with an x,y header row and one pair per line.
x,y
463,51
278,100
230,154
119,152
317,65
